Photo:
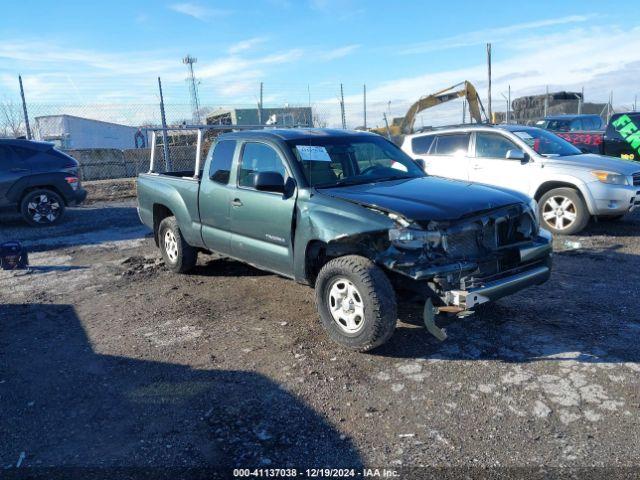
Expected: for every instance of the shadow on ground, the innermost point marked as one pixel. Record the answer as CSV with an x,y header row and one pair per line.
x,y
70,412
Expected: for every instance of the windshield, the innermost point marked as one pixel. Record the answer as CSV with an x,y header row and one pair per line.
x,y
558,125
335,161
547,143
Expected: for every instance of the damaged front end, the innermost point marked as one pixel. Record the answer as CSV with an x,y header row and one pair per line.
x,y
472,260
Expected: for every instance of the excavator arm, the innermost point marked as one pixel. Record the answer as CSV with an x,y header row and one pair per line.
x,y
468,91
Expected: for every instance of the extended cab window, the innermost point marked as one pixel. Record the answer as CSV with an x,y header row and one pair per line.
x,y
490,145
452,144
222,157
421,145
258,157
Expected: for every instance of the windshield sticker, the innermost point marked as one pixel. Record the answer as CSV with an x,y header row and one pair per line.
x,y
313,153
523,135
628,130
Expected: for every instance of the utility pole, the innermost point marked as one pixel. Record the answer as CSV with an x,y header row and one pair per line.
x,y
344,120
364,102
580,101
24,109
193,87
165,140
509,105
464,110
546,101
489,74
260,104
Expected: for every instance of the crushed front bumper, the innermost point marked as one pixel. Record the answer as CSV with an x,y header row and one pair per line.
x,y
493,290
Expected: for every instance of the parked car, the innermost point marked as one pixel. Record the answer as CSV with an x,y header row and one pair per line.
x,y
38,180
589,134
569,186
352,215
571,123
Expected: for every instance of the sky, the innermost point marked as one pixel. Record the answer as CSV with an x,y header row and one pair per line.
x,y
111,53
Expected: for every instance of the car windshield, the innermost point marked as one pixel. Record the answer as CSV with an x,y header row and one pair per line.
x,y
558,125
546,143
336,161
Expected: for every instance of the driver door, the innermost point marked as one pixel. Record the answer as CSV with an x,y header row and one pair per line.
x,y
261,222
490,165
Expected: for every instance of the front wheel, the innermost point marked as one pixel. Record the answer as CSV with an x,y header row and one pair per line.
x,y
178,255
42,207
563,211
356,302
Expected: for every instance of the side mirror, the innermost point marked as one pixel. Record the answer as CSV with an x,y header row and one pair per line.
x,y
516,154
268,182
420,163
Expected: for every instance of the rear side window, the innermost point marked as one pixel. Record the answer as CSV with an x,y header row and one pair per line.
x,y
24,153
8,158
452,144
222,158
576,125
421,145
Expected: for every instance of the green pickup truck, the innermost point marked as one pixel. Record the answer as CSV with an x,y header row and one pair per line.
x,y
353,216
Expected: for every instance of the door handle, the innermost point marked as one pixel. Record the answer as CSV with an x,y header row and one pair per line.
x,y
19,170
236,202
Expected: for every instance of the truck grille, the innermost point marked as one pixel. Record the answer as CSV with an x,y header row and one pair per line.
x,y
475,239
463,244
636,178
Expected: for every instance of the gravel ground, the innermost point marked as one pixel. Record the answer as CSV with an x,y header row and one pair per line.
x,y
108,360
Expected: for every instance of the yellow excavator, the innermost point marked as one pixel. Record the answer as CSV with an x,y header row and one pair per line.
x,y
463,89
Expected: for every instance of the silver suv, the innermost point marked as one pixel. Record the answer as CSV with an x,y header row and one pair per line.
x,y
569,186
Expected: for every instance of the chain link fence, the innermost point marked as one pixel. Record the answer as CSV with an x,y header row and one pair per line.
x,y
113,140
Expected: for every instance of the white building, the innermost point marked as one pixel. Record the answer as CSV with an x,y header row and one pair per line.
x,y
71,133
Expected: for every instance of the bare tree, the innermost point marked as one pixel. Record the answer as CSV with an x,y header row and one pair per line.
x,y
11,121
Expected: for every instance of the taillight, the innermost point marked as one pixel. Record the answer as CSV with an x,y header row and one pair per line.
x,y
73,182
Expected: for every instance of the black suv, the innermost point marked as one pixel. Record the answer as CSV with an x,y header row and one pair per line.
x,y
39,180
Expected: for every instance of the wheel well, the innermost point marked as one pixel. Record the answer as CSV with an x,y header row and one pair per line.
x,y
318,253
160,212
31,188
547,186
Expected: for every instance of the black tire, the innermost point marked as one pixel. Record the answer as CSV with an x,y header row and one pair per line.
x,y
42,207
577,207
181,257
377,298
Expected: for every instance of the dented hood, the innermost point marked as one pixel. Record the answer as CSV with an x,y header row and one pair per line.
x,y
427,198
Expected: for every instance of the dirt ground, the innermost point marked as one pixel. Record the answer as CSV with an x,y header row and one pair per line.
x,y
107,360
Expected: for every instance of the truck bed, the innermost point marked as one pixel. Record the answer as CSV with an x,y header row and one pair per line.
x,y
176,192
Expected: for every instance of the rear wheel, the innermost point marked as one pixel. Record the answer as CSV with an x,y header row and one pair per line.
x,y
356,302
178,255
42,207
563,211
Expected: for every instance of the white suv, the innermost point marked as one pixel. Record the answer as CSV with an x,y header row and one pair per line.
x,y
569,186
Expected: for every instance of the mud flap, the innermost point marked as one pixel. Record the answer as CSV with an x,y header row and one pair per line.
x,y
429,317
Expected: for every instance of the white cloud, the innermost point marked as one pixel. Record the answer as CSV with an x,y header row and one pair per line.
x,y
479,37
197,11
247,44
339,52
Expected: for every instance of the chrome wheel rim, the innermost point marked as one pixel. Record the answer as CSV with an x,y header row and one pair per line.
x,y
346,305
43,209
171,246
559,212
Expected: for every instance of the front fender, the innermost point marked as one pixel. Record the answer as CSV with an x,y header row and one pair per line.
x,y
329,220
